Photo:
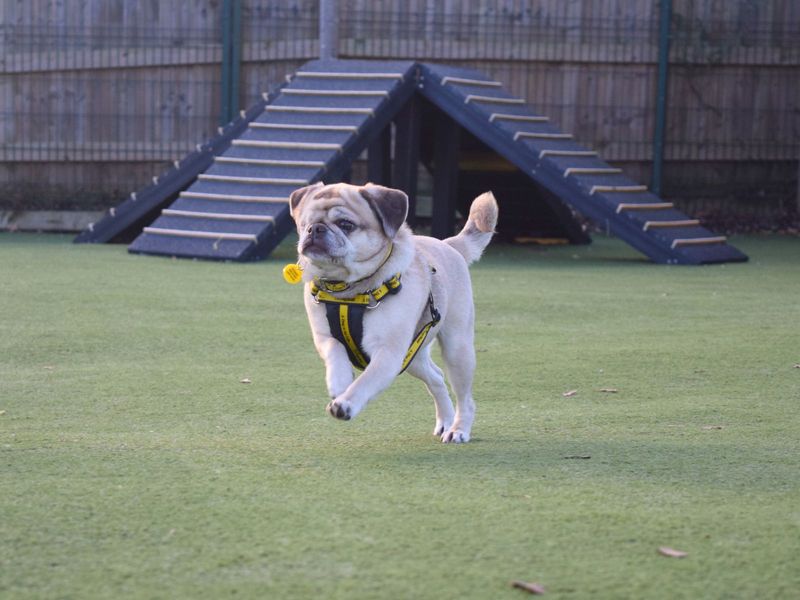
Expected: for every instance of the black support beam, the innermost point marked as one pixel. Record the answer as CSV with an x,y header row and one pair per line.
x,y
445,177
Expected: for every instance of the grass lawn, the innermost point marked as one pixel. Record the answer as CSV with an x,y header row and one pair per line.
x,y
135,463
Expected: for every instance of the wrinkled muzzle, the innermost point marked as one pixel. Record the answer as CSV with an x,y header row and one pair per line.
x,y
318,240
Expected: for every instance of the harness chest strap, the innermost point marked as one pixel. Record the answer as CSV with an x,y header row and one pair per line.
x,y
346,321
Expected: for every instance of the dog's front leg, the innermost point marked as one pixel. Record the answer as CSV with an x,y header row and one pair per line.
x,y
379,374
338,371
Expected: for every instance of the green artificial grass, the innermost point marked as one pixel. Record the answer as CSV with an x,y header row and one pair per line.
x,y
135,463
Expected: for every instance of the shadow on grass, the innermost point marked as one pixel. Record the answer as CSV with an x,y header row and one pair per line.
x,y
721,465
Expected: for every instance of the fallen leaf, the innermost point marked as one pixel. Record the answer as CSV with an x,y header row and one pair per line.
x,y
2,412
609,390
533,588
48,368
671,552
245,380
710,427
570,393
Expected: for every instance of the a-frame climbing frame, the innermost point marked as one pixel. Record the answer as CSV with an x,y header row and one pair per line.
x,y
332,110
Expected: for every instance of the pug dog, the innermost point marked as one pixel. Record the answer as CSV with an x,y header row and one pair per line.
x,y
356,252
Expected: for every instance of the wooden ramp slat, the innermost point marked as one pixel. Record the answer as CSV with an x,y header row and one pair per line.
x,y
322,110
234,197
210,235
190,214
256,180
467,81
492,100
667,224
721,239
348,93
287,145
617,189
533,135
294,126
576,153
345,75
521,118
267,162
644,206
591,171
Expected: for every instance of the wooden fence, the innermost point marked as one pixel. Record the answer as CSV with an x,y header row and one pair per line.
x,y
97,96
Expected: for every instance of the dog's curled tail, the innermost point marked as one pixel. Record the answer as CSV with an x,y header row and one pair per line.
x,y
479,229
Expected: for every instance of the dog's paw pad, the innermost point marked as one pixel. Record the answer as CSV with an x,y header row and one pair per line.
x,y
455,436
339,410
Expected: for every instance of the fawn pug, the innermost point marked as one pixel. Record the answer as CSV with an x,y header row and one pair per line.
x,y
378,295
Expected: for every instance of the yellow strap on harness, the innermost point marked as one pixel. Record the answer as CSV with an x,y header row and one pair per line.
x,y
354,349
418,341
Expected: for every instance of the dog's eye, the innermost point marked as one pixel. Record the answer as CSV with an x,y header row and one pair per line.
x,y
345,225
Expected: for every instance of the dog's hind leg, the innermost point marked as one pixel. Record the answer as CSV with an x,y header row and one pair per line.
x,y
459,364
423,368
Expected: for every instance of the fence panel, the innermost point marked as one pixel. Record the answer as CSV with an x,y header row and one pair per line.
x,y
98,96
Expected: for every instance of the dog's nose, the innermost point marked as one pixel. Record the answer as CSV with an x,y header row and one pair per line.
x,y
317,229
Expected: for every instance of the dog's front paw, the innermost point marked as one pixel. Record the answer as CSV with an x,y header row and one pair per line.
x,y
455,436
339,409
441,427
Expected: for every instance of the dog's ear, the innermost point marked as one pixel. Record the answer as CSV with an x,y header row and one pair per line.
x,y
296,198
389,205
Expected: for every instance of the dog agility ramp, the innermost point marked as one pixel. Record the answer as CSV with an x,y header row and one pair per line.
x,y
320,122
574,174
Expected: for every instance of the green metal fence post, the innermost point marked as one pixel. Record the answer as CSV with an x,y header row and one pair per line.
x,y
231,57
798,186
225,83
665,20
235,56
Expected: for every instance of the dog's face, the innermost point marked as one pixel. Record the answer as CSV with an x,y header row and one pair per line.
x,y
343,228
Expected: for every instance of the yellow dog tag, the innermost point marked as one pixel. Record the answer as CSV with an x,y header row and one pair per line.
x,y
293,274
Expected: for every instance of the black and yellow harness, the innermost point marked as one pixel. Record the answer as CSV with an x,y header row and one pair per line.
x,y
346,317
